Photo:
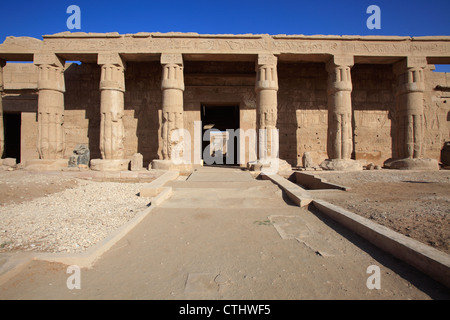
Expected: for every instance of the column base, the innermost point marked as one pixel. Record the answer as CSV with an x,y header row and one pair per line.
x,y
269,166
46,164
170,165
412,164
341,165
110,165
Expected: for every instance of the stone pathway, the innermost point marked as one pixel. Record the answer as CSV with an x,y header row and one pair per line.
x,y
225,235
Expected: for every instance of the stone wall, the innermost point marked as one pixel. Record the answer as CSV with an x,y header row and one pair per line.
x,y
220,83
302,106
373,103
82,107
143,109
436,113
302,111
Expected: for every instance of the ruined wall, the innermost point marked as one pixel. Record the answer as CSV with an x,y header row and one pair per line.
x,y
142,117
302,111
21,96
373,104
223,84
436,113
142,101
82,107
302,106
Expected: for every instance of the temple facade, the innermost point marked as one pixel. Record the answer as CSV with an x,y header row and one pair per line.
x,y
345,100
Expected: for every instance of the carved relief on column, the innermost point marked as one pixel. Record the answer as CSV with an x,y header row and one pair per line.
x,y
266,87
51,137
172,86
2,136
112,131
411,85
340,143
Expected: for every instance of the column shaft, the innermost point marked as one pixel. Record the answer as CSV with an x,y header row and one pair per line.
x,y
51,137
112,131
340,142
172,86
266,88
411,86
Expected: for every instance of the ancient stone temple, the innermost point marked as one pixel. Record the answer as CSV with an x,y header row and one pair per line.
x,y
343,100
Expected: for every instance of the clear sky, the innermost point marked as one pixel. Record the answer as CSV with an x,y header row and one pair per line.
x,y
339,17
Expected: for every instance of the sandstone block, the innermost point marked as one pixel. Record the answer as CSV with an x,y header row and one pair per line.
x,y
110,165
307,160
137,162
10,162
341,165
412,164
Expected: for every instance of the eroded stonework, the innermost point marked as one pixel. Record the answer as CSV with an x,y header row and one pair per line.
x,y
338,98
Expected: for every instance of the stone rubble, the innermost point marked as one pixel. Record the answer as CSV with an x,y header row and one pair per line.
x,y
72,220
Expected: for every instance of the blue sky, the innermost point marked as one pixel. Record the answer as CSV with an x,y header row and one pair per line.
x,y
339,17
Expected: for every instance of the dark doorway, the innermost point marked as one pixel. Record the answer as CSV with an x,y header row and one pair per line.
x,y
222,121
11,125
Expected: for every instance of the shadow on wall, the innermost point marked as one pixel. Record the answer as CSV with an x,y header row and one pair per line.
x,y
82,93
143,95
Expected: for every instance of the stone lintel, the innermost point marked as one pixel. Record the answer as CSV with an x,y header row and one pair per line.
x,y
340,60
172,58
266,58
409,62
49,59
110,58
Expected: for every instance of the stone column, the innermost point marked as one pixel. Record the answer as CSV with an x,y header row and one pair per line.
x,y
112,131
2,134
51,136
172,86
266,87
340,141
409,116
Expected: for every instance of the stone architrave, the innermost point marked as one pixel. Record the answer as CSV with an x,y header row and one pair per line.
x,y
339,142
266,87
112,131
172,86
51,137
2,134
410,116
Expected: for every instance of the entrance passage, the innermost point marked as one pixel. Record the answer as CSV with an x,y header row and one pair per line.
x,y
11,125
220,144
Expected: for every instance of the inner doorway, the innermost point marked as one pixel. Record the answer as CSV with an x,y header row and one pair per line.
x,y
219,123
11,127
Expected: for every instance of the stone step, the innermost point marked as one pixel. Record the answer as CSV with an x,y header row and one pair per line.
x,y
256,196
220,184
221,176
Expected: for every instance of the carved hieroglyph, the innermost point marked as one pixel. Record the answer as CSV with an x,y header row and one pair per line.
x,y
266,87
51,137
2,136
112,131
339,144
172,86
411,86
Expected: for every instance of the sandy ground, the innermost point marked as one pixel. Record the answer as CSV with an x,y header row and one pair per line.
x,y
414,203
236,239
20,186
